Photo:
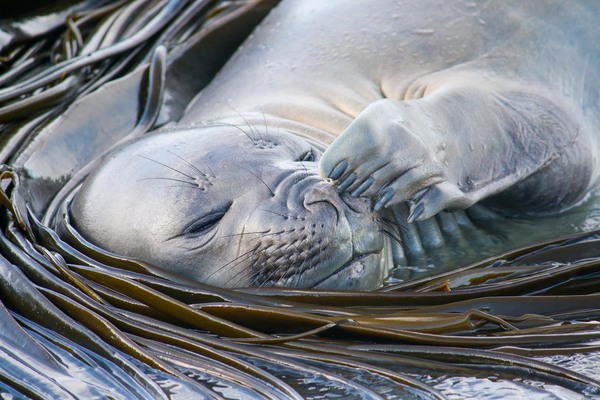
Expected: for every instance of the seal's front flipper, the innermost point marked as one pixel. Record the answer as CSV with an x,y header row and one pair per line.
x,y
519,149
436,198
387,152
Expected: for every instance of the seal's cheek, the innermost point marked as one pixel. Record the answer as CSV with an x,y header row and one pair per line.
x,y
296,247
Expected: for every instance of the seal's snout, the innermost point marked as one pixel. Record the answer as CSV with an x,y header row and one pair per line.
x,y
322,194
359,205
319,193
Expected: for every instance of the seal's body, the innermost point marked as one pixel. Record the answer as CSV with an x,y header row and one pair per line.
x,y
423,107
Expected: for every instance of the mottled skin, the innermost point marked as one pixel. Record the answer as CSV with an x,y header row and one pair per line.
x,y
432,104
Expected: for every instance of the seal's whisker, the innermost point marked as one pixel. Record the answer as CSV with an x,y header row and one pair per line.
x,y
390,229
242,274
248,134
250,126
239,246
266,279
387,220
265,120
296,268
391,235
168,166
202,173
249,252
292,152
398,228
210,170
183,186
286,216
188,184
301,268
261,233
235,260
256,276
236,281
260,179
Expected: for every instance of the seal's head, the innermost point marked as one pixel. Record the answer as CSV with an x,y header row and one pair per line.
x,y
231,208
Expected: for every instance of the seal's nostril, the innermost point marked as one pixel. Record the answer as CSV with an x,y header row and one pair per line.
x,y
356,204
323,195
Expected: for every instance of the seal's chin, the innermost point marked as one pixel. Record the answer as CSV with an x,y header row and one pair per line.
x,y
362,273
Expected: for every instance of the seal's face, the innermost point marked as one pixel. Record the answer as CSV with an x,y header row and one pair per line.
x,y
231,208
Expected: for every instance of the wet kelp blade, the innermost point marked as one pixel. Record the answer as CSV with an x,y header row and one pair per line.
x,y
56,72
36,359
156,84
101,377
182,343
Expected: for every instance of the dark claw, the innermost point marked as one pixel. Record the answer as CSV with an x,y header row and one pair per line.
x,y
415,212
384,198
345,184
419,195
339,170
363,187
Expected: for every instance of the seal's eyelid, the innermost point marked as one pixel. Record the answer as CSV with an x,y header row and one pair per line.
x,y
203,224
309,156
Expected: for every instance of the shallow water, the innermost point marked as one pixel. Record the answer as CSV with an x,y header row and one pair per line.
x,y
497,236
486,386
492,388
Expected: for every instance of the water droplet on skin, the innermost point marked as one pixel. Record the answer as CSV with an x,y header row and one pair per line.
x,y
423,32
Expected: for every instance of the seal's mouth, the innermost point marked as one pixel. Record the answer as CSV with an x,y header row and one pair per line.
x,y
363,267
333,241
362,272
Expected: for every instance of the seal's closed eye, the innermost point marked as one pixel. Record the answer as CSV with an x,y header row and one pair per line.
x,y
204,224
309,156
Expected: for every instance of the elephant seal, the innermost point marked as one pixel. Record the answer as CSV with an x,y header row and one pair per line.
x,y
419,106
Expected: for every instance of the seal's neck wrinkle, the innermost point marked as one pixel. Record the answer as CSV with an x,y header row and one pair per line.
x,y
271,123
